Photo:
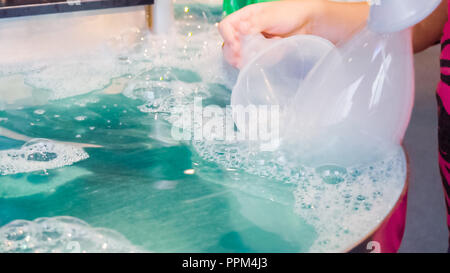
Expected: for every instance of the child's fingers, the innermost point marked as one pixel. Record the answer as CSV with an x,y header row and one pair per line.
x,y
231,56
231,39
233,27
241,20
274,19
227,31
254,19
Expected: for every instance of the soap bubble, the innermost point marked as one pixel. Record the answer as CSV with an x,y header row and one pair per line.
x,y
359,201
61,234
39,112
39,154
332,174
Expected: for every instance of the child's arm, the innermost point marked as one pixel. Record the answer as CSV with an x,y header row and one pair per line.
x,y
331,20
429,31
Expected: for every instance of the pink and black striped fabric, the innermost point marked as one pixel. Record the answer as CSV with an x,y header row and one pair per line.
x,y
443,99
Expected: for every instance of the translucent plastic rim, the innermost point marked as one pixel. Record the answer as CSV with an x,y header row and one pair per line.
x,y
304,37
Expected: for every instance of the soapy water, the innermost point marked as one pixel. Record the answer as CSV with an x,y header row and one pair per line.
x,y
341,203
60,235
356,197
42,182
141,87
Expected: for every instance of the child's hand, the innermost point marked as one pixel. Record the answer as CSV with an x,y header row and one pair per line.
x,y
330,20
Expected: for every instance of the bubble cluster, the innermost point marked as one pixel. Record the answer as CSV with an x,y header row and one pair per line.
x,y
355,205
71,77
61,234
179,67
39,154
332,174
343,204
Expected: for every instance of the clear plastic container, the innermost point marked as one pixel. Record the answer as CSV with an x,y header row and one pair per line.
x,y
348,107
357,101
273,70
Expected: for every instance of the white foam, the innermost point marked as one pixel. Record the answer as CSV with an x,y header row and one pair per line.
x,y
71,77
343,204
39,154
60,234
194,45
359,201
39,111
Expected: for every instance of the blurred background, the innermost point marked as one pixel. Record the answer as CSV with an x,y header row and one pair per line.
x,y
426,229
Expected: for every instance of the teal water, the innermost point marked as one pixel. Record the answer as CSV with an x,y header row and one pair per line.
x,y
136,185
92,140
